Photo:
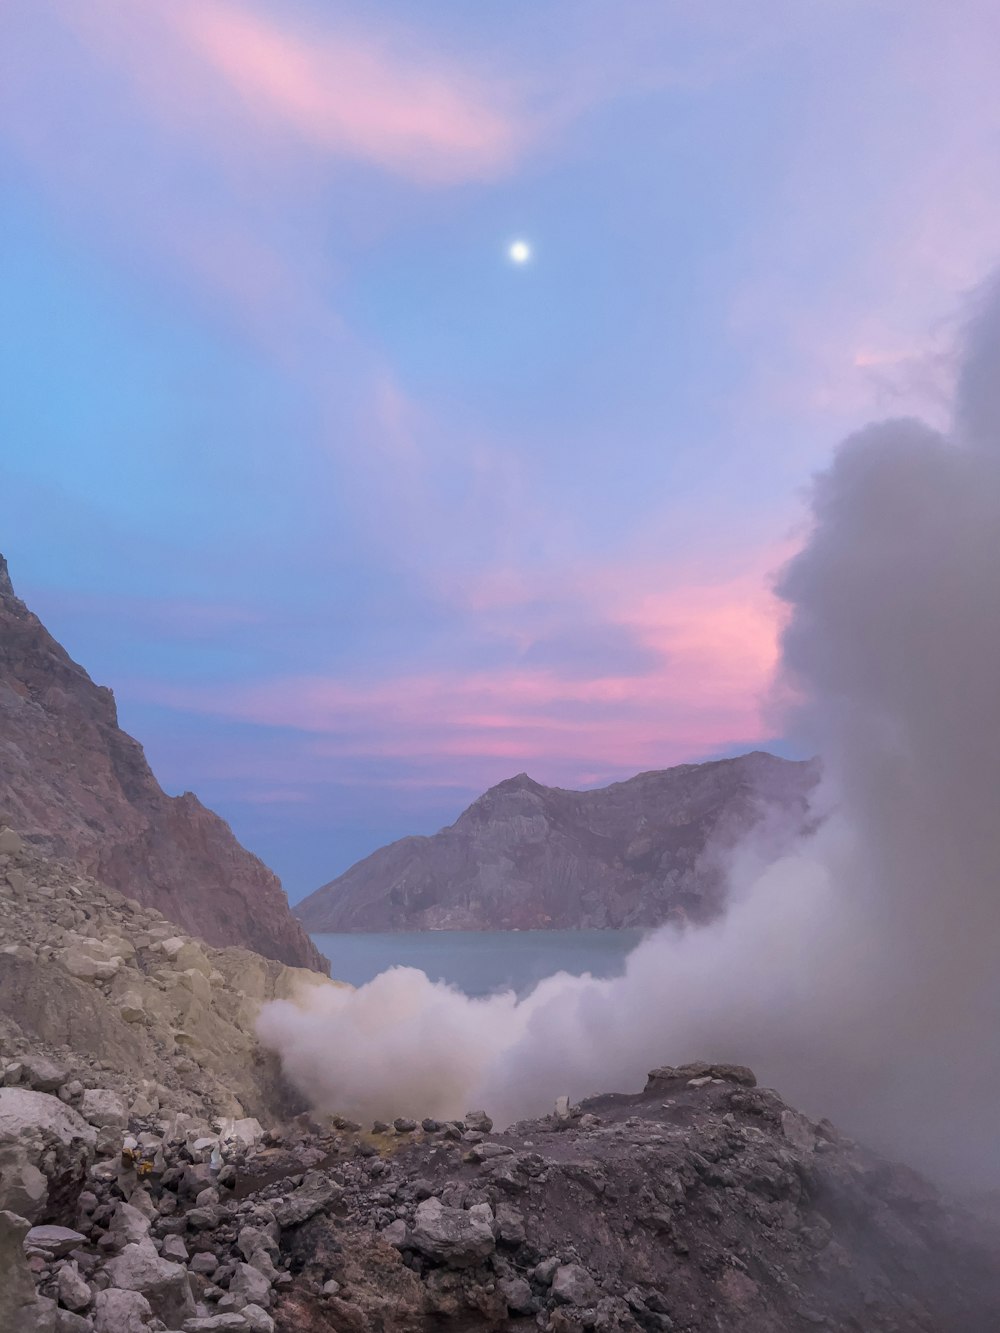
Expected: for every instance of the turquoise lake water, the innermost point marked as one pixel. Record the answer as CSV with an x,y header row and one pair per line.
x,y
480,962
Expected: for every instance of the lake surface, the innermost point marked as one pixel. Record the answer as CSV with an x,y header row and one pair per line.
x,y
480,962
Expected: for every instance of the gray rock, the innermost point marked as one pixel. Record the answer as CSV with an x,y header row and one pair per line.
x,y
117,1311
402,1125
573,1285
165,1285
257,1319
41,1073
204,1262
544,1272
251,1239
251,1284
55,1241
128,1225
174,1249
510,1224
103,1107
450,1235
68,1322
517,1294
228,1322
479,1121
21,1310
10,842
45,1151
316,1192
74,1291
395,1233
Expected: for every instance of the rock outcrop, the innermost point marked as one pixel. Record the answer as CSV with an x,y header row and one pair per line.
x,y
92,981
524,856
700,1205
74,784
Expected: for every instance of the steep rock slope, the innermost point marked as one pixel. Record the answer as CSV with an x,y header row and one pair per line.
x,y
102,983
75,785
525,856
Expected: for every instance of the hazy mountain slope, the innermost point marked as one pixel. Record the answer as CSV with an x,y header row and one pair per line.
x,y
527,856
74,784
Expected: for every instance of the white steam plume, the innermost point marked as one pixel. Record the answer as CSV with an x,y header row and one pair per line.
x,y
859,975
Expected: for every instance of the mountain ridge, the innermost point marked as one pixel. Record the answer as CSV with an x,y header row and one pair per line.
x,y
634,853
76,786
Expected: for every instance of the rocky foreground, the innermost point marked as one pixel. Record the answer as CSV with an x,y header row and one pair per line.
x,y
703,1203
157,1174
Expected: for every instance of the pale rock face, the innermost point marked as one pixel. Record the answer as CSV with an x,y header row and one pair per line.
x,y
201,1015
41,1137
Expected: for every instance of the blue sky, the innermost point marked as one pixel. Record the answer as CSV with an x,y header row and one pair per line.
x,y
356,516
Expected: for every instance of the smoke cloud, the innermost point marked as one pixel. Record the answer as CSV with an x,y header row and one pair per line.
x,y
858,974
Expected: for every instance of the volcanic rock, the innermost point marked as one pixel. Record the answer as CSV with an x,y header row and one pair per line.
x,y
45,1150
74,784
525,856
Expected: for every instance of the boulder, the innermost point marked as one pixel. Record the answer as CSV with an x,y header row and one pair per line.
x,y
257,1319
45,1151
21,1310
104,1108
248,1282
117,1311
55,1241
674,1076
573,1285
74,1291
246,1133
315,1193
41,1073
166,1286
517,1293
89,964
451,1236
10,842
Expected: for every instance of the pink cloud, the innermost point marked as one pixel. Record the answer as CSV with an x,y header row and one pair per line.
x,y
350,95
715,648
253,86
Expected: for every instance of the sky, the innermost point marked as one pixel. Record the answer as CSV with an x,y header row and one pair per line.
x,y
357,516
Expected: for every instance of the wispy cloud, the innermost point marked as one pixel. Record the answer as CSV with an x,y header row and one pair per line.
x,y
351,94
703,655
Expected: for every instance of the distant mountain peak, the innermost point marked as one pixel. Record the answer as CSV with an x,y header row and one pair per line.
x,y
6,587
526,856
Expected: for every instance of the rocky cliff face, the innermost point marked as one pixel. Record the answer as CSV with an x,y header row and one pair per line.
x,y
76,786
100,983
524,856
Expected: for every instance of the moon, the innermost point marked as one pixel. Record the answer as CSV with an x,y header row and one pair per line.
x,y
519,252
